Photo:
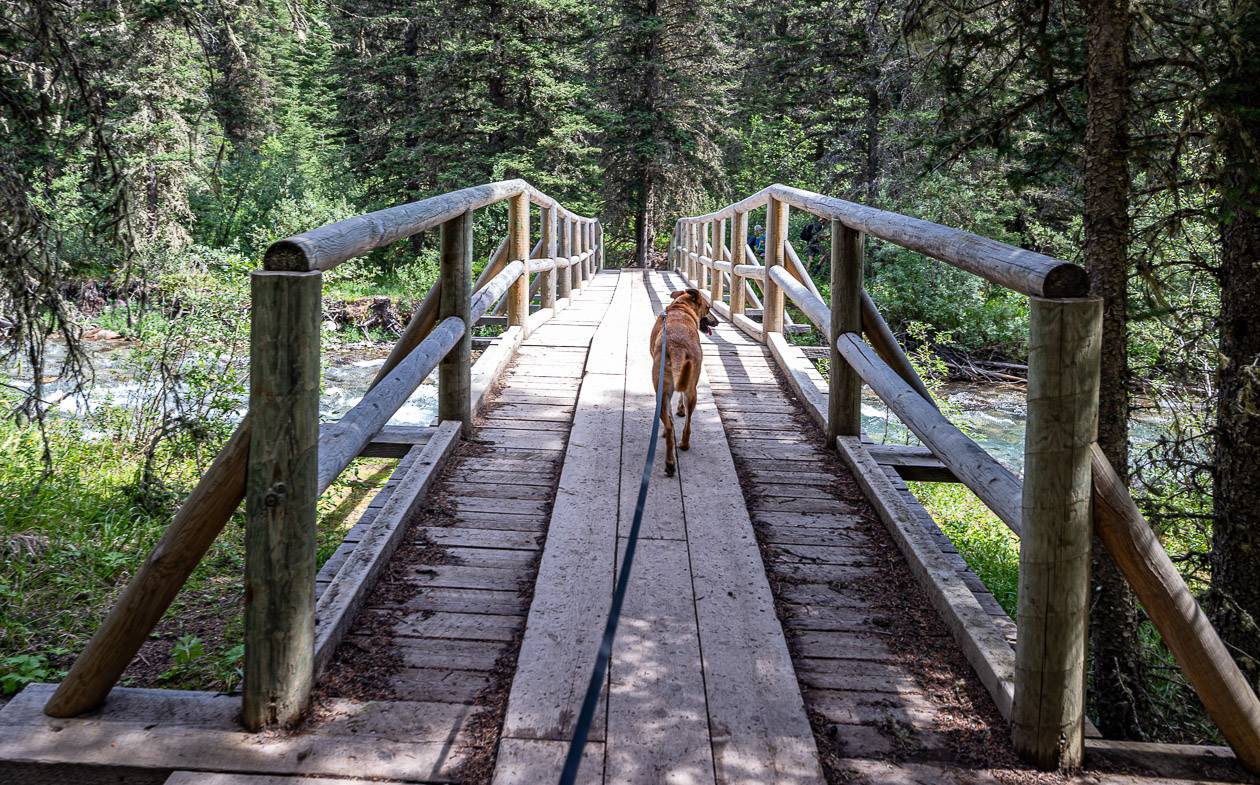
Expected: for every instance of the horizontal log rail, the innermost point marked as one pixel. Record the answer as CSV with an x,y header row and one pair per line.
x,y
330,245
994,484
1021,270
281,469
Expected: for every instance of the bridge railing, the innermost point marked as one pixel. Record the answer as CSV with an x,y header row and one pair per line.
x,y
280,459
1068,492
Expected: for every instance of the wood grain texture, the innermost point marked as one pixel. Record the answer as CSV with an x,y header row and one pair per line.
x,y
518,250
844,401
1047,721
1018,269
329,245
455,368
343,440
280,495
345,595
993,483
1207,663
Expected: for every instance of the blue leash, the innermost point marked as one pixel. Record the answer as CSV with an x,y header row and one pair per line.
x,y
585,717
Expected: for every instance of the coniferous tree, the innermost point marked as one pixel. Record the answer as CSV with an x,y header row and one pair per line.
x,y
663,83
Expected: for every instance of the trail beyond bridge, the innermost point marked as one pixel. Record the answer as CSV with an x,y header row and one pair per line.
x,y
793,615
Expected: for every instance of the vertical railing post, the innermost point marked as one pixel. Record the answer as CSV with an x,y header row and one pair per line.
x,y
689,244
564,278
1063,370
701,270
739,230
776,237
844,400
575,249
599,244
715,280
584,270
455,273
280,492
547,284
518,248
590,246
702,243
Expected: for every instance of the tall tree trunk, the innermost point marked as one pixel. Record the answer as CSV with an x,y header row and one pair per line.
x,y
872,91
1236,501
1114,645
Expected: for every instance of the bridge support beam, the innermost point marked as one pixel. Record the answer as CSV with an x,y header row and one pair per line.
x,y
776,238
518,248
1063,367
844,399
455,369
281,487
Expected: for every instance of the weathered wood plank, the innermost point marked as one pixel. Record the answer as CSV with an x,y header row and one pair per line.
x,y
559,647
281,491
758,719
532,761
348,590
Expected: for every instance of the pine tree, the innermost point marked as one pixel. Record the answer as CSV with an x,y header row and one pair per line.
x,y
663,82
437,96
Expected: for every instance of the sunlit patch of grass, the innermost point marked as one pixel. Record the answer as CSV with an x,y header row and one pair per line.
x,y
982,539
71,540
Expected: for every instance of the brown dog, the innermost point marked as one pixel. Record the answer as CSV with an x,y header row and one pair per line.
x,y
683,319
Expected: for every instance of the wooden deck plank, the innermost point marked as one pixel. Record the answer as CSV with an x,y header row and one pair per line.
x,y
658,727
760,729
564,627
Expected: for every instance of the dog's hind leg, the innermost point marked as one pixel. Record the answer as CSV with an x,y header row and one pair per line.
x,y
667,421
685,442
667,425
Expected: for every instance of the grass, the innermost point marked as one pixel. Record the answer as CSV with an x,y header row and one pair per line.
x,y
72,539
990,549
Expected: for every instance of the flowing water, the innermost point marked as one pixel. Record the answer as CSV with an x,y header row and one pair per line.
x,y
348,369
991,415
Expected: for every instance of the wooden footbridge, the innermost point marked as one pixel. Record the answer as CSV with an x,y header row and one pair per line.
x,y
793,614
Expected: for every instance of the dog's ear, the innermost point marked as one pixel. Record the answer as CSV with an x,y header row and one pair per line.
x,y
695,295
674,295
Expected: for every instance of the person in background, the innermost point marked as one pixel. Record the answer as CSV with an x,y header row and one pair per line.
x,y
757,239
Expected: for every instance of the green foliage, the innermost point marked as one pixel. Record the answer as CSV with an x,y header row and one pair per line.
x,y
773,150
982,539
18,671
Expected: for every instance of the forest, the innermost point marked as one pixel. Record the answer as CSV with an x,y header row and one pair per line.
x,y
150,150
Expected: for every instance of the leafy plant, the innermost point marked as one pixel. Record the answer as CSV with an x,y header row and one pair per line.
x,y
18,671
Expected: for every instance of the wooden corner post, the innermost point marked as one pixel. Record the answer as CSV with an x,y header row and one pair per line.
x,y
739,231
1047,718
719,241
547,284
776,237
564,275
455,369
281,487
518,248
844,399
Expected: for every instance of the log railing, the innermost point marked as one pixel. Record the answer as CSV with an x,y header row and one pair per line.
x,y
1068,493
279,460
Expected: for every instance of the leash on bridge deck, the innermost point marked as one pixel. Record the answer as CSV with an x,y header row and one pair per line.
x,y
568,776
